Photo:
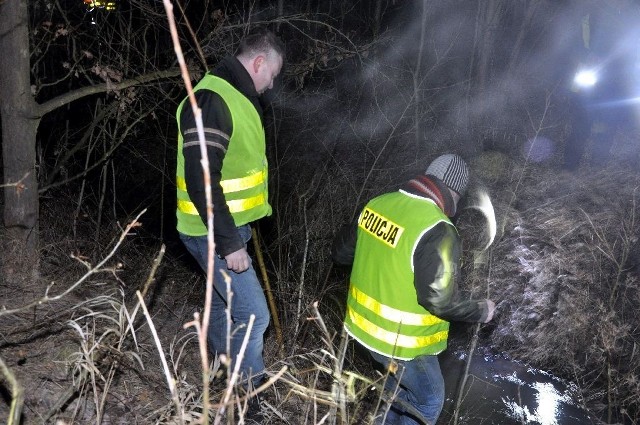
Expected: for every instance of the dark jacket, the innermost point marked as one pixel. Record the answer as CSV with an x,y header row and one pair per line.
x,y
216,119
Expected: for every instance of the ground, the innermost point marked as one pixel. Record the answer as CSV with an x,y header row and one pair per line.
x,y
563,263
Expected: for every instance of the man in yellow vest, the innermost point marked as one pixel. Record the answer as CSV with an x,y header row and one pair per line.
x,y
405,255
235,144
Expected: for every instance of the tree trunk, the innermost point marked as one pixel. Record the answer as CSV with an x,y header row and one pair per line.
x,y
280,12
524,27
490,20
417,77
20,116
377,17
19,128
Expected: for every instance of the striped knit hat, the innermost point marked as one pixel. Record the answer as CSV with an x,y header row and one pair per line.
x,y
452,170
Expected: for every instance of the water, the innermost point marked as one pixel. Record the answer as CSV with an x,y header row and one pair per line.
x,y
503,392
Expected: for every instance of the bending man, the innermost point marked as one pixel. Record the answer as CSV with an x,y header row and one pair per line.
x,y
405,254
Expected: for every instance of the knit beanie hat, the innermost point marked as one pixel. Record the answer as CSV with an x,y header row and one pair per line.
x,y
452,170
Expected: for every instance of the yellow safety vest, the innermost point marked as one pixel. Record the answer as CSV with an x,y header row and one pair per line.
x,y
383,313
244,168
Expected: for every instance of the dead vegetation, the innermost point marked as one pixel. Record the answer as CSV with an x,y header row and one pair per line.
x,y
80,351
564,270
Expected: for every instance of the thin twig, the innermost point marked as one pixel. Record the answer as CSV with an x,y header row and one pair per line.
x,y
303,268
19,185
92,270
165,367
152,272
465,375
197,113
236,370
17,396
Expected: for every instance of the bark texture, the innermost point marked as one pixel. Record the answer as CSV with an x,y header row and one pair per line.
x,y
20,120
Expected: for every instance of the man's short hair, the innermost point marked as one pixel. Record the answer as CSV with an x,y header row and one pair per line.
x,y
260,41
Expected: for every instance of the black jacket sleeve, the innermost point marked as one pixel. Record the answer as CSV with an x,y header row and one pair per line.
x,y
218,127
436,264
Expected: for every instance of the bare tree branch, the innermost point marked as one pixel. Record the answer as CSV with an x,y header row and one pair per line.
x,y
56,102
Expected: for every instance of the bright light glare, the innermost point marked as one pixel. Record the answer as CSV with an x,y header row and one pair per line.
x,y
586,78
486,207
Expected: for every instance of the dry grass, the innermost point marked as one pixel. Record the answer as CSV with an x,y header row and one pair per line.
x,y
106,368
564,271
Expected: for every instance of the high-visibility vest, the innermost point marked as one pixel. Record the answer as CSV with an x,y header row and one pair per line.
x,y
244,168
383,313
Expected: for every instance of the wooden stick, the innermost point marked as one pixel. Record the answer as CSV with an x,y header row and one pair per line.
x,y
267,287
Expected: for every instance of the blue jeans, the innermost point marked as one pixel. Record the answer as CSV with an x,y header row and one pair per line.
x,y
247,299
421,385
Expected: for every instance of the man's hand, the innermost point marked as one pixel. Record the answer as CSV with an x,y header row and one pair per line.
x,y
238,261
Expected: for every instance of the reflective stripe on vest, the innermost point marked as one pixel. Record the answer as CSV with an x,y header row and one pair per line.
x,y
394,338
228,186
237,205
390,313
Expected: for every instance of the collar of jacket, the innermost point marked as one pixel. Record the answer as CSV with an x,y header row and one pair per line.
x,y
231,70
433,188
